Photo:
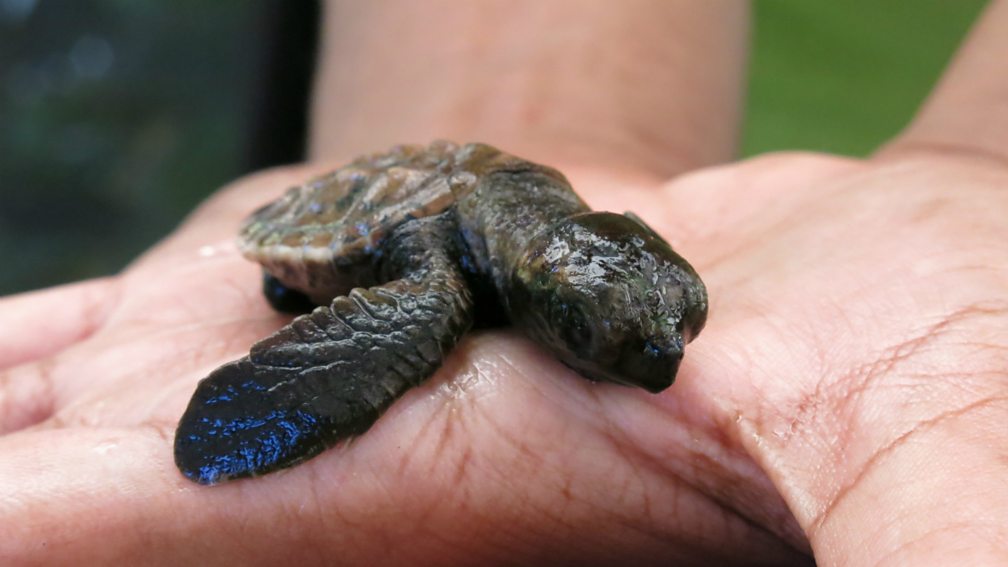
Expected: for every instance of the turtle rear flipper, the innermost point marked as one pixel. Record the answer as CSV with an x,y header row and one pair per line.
x,y
329,374
283,298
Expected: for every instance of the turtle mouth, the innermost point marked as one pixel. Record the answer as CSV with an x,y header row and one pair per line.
x,y
652,370
654,367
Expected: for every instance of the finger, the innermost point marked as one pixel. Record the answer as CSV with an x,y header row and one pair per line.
x,y
186,316
968,111
123,477
40,323
26,396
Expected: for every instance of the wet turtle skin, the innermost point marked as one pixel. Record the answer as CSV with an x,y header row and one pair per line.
x,y
401,252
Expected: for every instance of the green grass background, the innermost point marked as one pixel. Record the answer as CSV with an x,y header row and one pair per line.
x,y
845,76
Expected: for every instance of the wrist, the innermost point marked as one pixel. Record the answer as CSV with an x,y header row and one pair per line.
x,y
650,88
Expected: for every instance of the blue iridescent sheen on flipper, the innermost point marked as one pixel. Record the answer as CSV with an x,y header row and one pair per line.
x,y
237,428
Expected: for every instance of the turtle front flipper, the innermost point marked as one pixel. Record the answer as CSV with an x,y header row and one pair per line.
x,y
330,373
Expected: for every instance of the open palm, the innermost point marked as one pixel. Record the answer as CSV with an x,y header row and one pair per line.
x,y
854,360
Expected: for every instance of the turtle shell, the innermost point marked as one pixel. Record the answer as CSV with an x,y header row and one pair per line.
x,y
320,236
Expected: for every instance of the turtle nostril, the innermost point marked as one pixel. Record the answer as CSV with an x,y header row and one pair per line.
x,y
651,350
661,350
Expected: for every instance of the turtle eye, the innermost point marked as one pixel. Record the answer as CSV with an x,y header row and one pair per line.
x,y
571,323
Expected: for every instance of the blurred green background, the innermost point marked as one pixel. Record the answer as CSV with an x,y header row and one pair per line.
x,y
845,76
117,117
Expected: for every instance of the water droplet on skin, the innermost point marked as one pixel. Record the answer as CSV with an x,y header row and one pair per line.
x,y
106,447
211,250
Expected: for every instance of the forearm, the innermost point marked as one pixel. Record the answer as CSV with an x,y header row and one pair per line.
x,y
650,87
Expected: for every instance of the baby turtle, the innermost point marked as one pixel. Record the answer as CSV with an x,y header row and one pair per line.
x,y
401,251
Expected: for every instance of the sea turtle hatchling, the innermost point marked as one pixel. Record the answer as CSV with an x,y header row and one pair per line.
x,y
402,251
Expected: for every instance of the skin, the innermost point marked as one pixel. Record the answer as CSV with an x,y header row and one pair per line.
x,y
847,398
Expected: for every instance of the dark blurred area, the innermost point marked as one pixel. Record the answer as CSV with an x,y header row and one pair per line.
x,y
118,117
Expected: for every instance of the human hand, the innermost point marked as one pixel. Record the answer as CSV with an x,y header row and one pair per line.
x,y
853,330
503,440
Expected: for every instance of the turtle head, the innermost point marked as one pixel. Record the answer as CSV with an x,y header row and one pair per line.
x,y
610,298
